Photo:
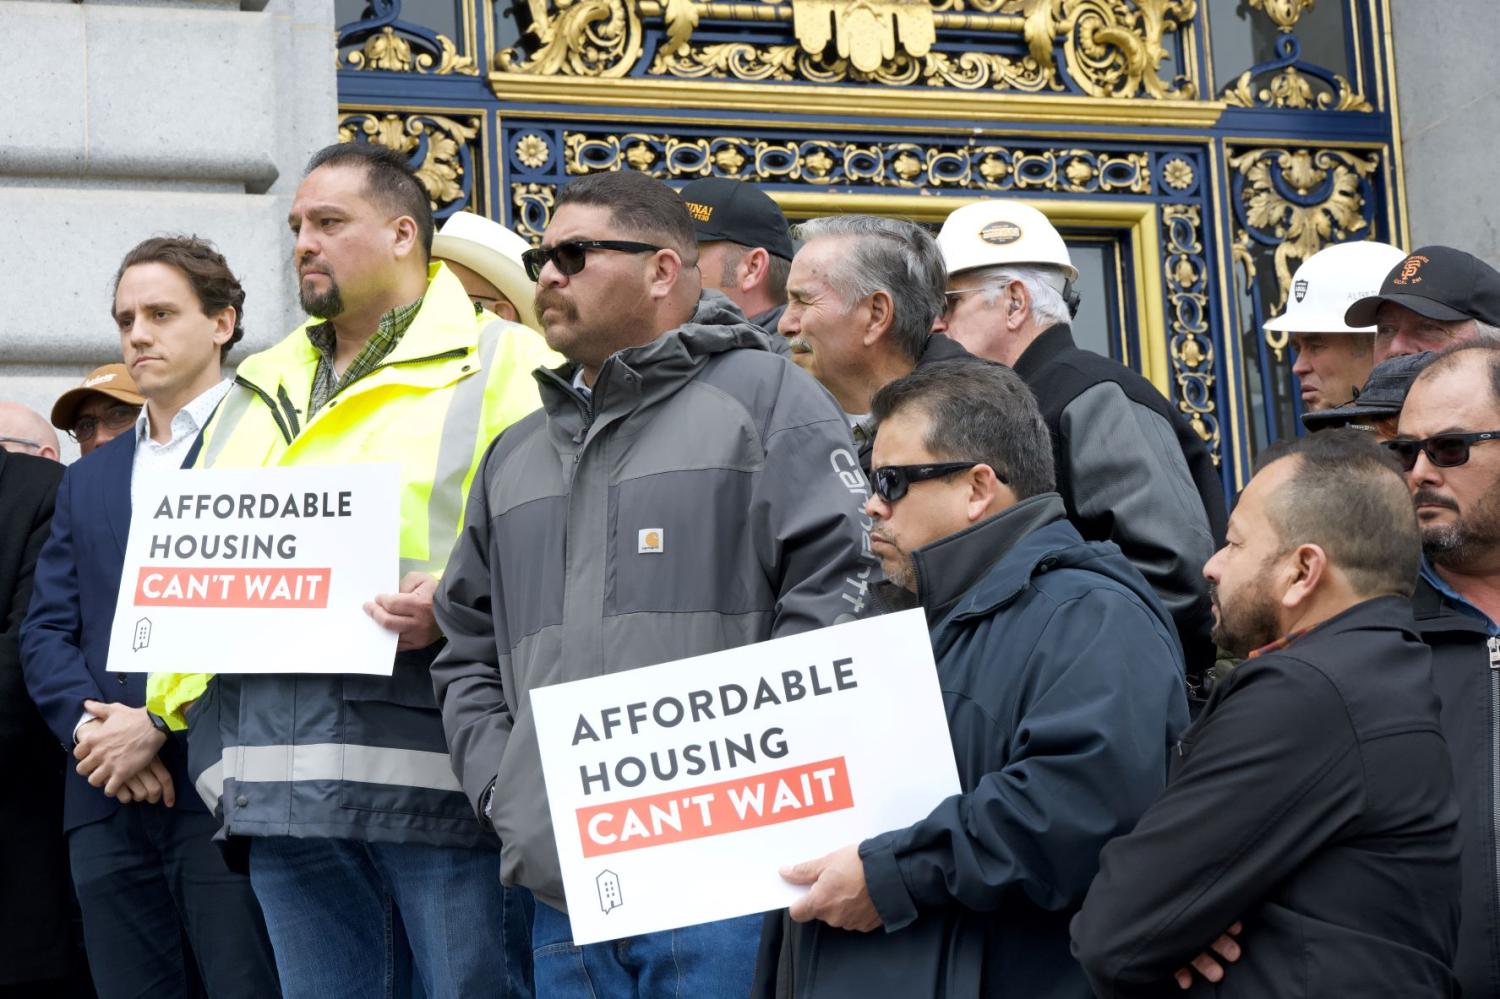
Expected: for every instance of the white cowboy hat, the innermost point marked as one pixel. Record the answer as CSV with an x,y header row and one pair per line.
x,y
494,253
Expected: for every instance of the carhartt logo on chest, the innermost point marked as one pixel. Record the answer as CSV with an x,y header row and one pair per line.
x,y
651,541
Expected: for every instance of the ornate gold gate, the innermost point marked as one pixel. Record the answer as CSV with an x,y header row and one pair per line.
x,y
1214,143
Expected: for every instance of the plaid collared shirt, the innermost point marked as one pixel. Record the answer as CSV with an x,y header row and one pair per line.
x,y
393,325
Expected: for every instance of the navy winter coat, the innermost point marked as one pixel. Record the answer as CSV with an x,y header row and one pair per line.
x,y
1063,682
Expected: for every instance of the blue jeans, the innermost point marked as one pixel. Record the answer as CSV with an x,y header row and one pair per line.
x,y
393,920
709,961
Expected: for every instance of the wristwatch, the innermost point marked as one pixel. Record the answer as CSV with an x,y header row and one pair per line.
x,y
160,724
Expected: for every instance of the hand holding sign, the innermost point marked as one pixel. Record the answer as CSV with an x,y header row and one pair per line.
x,y
839,895
408,613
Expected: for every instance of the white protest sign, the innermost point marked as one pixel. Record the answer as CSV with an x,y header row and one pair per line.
x,y
678,790
262,570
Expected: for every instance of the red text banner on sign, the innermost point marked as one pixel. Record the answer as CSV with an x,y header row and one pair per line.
x,y
715,809
231,587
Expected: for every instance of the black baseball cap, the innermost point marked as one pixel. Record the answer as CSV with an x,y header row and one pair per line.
x,y
1383,395
730,209
1438,282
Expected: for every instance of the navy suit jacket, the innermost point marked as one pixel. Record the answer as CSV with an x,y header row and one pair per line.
x,y
65,640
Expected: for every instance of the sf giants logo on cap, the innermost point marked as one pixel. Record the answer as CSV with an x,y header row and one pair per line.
x,y
700,213
1409,268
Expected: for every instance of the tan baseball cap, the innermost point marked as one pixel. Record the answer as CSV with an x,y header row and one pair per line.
x,y
112,380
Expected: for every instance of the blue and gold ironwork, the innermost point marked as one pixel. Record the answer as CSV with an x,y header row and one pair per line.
x,y
1109,115
382,41
440,149
1101,48
1192,342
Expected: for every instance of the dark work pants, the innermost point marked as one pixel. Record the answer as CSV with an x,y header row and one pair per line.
x,y
147,877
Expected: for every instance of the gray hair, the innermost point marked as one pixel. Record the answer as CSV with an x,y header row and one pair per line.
x,y
1044,286
1486,334
978,411
892,255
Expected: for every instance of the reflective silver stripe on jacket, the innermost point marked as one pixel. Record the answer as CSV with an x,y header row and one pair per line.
x,y
327,761
445,505
233,409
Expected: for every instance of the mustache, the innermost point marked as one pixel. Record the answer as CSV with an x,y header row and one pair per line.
x,y
547,298
1426,497
798,345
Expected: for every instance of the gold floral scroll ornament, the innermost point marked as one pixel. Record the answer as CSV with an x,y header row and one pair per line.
x,y
1112,48
1303,229
864,31
388,51
441,170
1286,13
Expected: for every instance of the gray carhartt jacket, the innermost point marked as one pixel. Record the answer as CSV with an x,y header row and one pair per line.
x,y
738,463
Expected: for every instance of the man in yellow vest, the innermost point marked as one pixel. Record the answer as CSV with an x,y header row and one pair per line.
x,y
367,859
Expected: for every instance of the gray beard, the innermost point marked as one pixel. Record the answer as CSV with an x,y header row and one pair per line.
x,y
1456,545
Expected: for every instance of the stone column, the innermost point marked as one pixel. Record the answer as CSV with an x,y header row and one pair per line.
x,y
132,119
1448,85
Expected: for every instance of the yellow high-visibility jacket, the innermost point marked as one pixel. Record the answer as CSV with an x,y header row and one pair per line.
x,y
455,380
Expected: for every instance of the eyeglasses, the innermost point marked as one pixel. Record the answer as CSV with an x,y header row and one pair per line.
x,y
115,418
570,255
21,441
1443,450
956,292
891,482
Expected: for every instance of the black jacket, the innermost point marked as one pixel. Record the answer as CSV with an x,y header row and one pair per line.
x,y
1464,669
35,890
1313,801
1132,470
1062,682
938,348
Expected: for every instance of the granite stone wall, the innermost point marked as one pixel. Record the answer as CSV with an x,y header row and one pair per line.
x,y
1448,88
133,118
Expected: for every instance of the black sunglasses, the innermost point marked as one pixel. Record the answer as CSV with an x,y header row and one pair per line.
x,y
891,482
115,418
1443,450
570,255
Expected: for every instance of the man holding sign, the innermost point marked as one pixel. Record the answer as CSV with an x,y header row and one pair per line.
x,y
340,785
1063,681
685,490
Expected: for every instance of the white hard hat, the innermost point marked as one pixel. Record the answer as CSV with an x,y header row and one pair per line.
x,y
998,232
494,253
1330,281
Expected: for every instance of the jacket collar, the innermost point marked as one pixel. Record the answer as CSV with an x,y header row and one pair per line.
x,y
638,376
1049,343
1377,613
444,325
1435,613
949,568
941,348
